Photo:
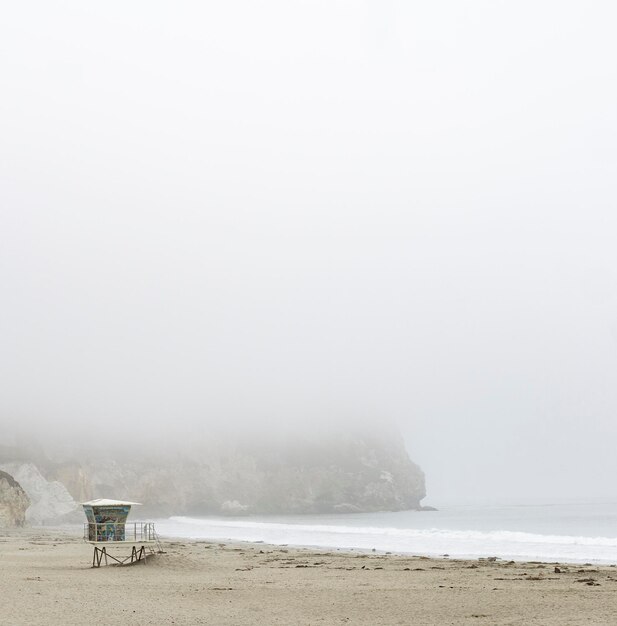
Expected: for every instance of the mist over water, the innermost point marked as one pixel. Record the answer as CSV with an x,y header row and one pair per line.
x,y
289,219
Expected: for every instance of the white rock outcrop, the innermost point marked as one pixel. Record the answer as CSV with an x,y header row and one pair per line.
x,y
50,501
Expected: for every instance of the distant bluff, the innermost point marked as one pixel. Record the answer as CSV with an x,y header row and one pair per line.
x,y
348,473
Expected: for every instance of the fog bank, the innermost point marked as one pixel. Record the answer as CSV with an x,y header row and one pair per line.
x,y
281,216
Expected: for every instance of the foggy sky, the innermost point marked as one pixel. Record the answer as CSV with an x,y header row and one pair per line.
x,y
291,212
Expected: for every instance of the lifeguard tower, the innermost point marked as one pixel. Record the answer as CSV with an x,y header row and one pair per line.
x,y
107,528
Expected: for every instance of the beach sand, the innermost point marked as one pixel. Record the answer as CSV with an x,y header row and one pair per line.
x,y
46,578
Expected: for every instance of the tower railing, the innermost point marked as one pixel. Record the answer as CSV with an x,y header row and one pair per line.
x,y
117,532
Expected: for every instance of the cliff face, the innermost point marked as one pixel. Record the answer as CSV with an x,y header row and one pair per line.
x,y
13,502
350,473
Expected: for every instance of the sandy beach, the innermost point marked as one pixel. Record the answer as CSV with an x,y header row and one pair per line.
x,y
46,578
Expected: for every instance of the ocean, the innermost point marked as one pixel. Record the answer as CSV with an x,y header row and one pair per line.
x,y
577,532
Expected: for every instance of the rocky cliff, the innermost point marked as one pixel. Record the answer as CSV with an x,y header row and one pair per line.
x,y
350,473
13,502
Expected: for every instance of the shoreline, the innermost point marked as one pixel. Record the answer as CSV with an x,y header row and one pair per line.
x,y
46,578
352,552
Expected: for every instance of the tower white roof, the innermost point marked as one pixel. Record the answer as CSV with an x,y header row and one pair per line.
x,y
106,502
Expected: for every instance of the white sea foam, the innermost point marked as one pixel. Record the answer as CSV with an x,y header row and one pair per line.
x,y
505,544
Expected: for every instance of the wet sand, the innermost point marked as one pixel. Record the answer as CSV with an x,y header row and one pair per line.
x,y
46,577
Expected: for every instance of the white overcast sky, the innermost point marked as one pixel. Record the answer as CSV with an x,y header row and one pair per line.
x,y
291,211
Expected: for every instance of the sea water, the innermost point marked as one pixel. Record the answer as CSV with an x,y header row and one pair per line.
x,y
558,531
